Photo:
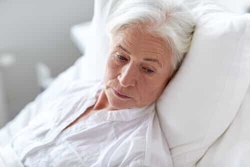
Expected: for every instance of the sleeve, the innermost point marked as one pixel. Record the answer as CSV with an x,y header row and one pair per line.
x,y
23,118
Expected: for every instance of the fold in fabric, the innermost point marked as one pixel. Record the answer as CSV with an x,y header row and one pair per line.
x,y
8,158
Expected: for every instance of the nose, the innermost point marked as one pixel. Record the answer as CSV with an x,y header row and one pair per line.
x,y
128,76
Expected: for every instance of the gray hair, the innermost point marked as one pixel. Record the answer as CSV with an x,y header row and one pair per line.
x,y
169,19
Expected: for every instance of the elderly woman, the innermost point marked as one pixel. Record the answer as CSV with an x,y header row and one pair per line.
x,y
112,123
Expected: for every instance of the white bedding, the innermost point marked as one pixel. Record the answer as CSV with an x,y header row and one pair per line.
x,y
22,119
232,149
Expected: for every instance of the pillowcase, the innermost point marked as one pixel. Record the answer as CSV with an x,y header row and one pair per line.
x,y
96,42
203,97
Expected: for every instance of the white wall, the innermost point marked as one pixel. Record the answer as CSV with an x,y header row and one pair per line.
x,y
37,30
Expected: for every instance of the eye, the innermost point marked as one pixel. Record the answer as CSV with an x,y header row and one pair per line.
x,y
121,58
147,70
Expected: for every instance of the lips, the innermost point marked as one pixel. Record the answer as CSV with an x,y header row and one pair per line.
x,y
121,95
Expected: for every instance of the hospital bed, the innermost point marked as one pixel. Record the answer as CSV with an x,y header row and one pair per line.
x,y
205,110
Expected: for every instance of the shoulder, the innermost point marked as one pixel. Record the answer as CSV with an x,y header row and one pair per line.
x,y
81,88
65,95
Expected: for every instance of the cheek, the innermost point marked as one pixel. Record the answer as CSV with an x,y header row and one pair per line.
x,y
150,91
112,68
113,64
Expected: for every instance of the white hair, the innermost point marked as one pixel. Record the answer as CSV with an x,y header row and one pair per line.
x,y
169,19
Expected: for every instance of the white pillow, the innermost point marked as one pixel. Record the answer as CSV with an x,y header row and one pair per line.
x,y
202,99
97,42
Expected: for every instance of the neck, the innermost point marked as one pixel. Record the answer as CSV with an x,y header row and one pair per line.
x,y
102,102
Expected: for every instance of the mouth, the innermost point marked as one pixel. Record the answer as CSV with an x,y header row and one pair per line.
x,y
120,95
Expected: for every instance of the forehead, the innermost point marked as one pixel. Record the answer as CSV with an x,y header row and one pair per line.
x,y
138,41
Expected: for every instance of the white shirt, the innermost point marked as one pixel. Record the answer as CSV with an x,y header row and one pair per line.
x,y
125,138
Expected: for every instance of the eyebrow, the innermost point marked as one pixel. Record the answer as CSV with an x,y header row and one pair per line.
x,y
145,59
121,47
153,60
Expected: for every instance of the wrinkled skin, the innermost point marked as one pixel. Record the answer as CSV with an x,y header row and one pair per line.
x,y
137,71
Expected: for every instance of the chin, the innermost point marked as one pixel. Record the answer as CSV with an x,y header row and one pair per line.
x,y
118,104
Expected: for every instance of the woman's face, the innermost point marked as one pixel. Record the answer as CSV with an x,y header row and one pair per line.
x,y
138,69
